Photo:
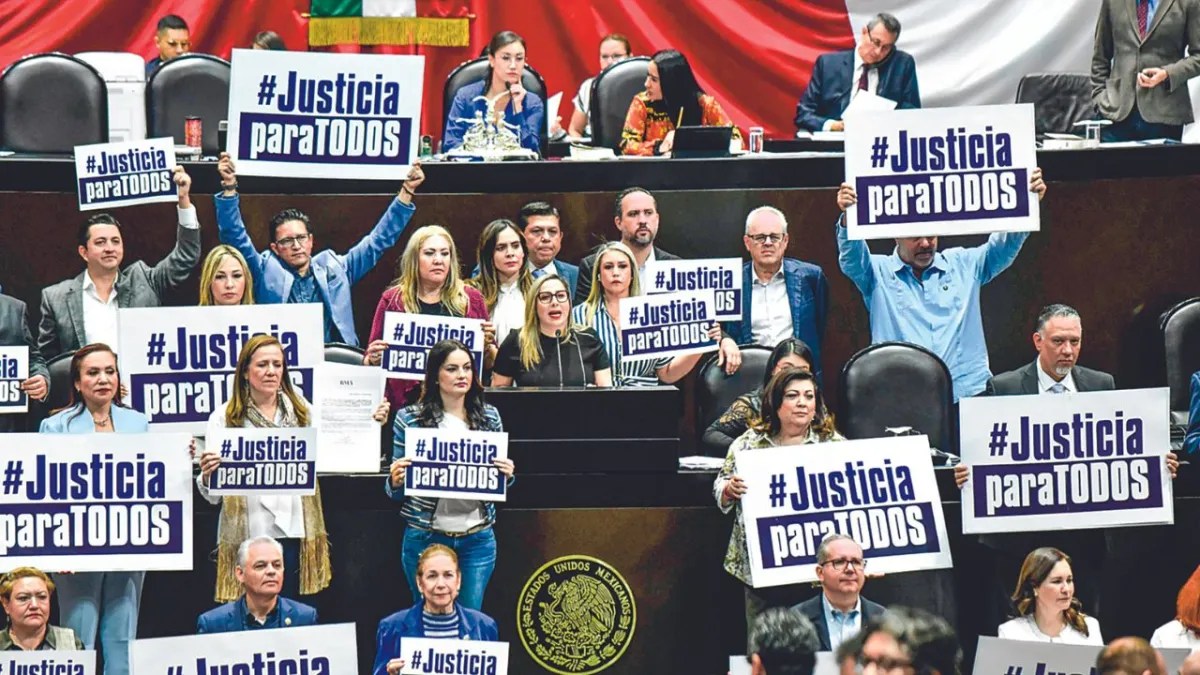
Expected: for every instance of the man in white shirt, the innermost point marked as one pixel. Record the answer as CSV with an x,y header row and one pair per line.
x,y
840,611
83,310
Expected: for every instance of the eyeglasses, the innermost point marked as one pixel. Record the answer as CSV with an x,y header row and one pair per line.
x,y
883,664
841,563
546,298
289,242
761,239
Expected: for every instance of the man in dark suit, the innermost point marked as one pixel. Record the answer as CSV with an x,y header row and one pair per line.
x,y
14,332
840,611
1139,69
781,297
875,65
260,571
543,237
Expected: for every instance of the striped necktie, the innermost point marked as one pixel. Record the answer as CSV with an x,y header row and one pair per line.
x,y
1058,388
1143,14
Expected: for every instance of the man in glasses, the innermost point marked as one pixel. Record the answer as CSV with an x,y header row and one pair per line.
x,y
909,641
781,297
840,611
289,272
875,65
172,39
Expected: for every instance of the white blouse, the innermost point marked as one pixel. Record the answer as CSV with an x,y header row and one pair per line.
x,y
1025,628
1173,634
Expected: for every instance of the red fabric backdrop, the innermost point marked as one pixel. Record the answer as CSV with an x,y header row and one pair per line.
x,y
755,57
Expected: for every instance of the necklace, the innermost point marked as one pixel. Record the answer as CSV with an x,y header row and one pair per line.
x,y
102,422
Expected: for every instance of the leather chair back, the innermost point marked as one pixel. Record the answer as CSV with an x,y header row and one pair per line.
x,y
189,85
1059,100
612,92
338,352
1181,333
896,384
716,391
60,381
49,103
469,72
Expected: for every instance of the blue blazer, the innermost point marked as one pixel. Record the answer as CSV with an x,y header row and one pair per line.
x,y
230,617
828,91
335,273
472,625
529,120
1191,442
125,420
808,298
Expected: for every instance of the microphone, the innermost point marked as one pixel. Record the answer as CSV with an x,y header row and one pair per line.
x,y
579,352
558,346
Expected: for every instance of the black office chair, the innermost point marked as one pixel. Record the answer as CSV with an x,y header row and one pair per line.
x,y
1059,100
60,381
338,352
896,384
1181,332
189,85
716,391
469,72
612,92
50,103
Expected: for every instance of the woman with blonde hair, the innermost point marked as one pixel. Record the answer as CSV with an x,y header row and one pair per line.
x,y
615,276
1047,609
225,278
25,594
428,282
262,395
550,350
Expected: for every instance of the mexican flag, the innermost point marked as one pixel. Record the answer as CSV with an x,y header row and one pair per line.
x,y
387,22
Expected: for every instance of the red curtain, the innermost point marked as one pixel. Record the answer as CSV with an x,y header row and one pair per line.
x,y
755,57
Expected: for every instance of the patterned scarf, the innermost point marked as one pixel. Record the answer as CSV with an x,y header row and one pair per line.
x,y
315,570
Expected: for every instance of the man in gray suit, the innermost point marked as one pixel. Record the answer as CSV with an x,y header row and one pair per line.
x,y
840,611
14,332
1139,71
83,310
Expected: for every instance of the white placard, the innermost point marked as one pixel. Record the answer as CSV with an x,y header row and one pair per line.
x,y
109,175
448,463
324,115
48,662
453,657
178,362
826,664
346,399
994,656
410,337
263,461
1067,461
722,275
127,505
942,171
14,369
317,650
667,325
880,491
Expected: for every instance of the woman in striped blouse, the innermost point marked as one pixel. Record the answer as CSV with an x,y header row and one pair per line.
x,y
614,277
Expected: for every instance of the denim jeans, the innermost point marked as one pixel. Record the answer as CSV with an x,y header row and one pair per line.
x,y
476,560
104,603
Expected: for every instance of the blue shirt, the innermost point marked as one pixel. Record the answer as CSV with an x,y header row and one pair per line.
x,y
842,625
305,289
938,310
1151,8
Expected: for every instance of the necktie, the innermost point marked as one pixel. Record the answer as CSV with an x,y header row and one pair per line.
x,y
538,273
862,80
1057,388
1143,11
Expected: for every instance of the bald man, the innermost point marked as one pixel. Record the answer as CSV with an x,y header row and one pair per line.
x,y
1130,656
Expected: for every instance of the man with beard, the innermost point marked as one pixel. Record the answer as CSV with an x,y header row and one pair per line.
x,y
260,572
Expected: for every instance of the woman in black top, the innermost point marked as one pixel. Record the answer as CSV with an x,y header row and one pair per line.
x,y
549,350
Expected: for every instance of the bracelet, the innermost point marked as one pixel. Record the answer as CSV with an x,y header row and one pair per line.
x,y
229,188
404,188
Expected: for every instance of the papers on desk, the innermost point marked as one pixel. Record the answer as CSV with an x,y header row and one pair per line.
x,y
701,463
866,102
829,136
552,105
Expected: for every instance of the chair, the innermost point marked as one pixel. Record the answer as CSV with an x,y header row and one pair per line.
x,y
338,352
716,391
475,70
1059,100
60,381
50,103
188,85
1181,333
612,92
896,384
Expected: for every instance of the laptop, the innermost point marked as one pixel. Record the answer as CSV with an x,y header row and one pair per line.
x,y
692,142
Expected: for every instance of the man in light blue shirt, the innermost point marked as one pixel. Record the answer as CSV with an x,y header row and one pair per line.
x,y
840,611
928,297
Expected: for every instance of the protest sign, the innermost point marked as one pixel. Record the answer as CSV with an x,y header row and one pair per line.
x,y
14,369
267,461
667,325
410,336
880,491
298,650
178,362
1095,456
453,657
941,171
994,656
455,464
722,275
48,662
323,115
96,502
109,175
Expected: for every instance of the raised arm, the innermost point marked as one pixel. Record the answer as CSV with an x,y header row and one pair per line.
x,y
230,228
177,266
363,257
853,255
